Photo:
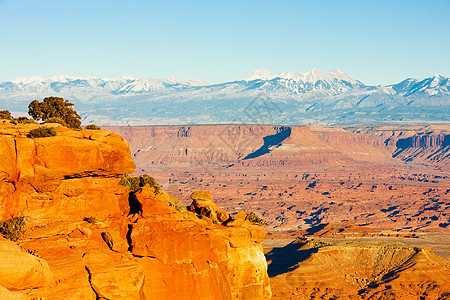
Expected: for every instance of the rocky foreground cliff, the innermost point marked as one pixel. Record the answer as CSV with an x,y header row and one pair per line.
x,y
86,238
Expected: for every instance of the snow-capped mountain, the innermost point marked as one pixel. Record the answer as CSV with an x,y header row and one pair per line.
x,y
331,97
431,86
312,76
71,85
326,83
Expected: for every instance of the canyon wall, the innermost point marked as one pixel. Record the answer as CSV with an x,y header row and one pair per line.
x,y
248,145
81,242
263,145
298,176
427,146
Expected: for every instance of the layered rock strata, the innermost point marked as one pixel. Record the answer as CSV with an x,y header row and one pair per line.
x,y
82,243
298,177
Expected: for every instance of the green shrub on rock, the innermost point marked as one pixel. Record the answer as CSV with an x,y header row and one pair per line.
x,y
41,132
93,127
255,218
13,229
56,120
5,114
135,184
22,120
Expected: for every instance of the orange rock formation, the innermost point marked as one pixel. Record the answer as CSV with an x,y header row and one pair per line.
x,y
83,244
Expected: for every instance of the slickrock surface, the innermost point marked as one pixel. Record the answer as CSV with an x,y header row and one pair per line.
x,y
82,243
213,263
299,177
356,269
20,270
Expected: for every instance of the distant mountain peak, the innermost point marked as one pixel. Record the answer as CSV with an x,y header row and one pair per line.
x,y
65,78
26,80
258,74
312,76
330,97
174,79
123,77
315,75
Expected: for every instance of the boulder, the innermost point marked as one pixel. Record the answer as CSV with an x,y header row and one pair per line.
x,y
20,270
114,241
203,204
237,220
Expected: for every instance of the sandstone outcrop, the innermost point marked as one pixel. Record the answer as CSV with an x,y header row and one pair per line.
x,y
90,247
427,145
20,270
7,294
203,204
204,258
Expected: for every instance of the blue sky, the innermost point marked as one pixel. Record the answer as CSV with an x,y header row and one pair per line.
x,y
377,42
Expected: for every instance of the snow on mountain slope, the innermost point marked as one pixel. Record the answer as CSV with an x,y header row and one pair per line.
x,y
318,97
312,76
434,85
117,85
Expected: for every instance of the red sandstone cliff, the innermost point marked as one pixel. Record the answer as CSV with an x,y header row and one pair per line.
x,y
419,145
249,145
83,244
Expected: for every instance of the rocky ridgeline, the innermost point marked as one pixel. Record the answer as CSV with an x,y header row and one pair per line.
x,y
266,145
81,242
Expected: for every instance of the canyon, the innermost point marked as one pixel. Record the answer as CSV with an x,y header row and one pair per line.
x,y
389,177
87,237
351,212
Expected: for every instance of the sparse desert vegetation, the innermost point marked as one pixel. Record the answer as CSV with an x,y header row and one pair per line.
x,y
255,218
42,132
135,184
13,228
53,108
92,127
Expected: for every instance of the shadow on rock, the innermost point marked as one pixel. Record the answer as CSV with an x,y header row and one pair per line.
x,y
287,258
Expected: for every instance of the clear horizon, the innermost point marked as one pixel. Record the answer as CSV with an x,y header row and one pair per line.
x,y
376,42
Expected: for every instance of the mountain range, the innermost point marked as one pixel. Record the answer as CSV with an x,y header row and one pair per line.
x,y
315,97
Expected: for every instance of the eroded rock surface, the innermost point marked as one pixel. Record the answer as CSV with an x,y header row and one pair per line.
x,y
356,269
20,270
85,243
